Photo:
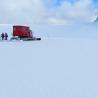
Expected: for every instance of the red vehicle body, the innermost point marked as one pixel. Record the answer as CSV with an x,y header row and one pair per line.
x,y
22,31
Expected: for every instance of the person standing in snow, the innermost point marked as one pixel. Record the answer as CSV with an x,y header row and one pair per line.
x,y
2,36
6,36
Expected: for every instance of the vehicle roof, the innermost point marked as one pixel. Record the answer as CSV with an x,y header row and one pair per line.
x,y
20,26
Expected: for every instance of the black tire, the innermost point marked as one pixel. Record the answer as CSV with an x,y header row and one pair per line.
x,y
38,38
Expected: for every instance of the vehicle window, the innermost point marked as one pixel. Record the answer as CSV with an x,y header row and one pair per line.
x,y
14,29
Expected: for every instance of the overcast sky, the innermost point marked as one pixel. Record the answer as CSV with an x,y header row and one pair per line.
x,y
47,11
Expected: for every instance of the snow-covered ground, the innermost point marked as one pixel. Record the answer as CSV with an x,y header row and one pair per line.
x,y
62,65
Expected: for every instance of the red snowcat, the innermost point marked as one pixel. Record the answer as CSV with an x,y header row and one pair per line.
x,y
23,33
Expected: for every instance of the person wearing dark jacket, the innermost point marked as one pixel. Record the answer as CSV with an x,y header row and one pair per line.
x,y
6,36
2,36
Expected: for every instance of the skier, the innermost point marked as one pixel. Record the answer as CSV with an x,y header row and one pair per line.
x,y
6,36
2,36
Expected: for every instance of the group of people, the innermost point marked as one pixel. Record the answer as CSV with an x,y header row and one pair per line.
x,y
4,36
